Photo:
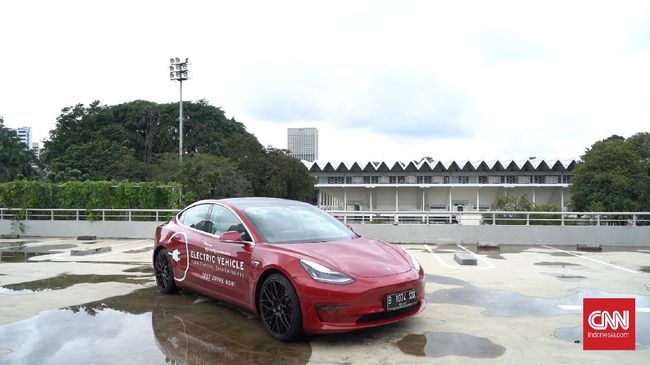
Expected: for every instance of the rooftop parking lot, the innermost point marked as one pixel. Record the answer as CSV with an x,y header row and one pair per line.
x,y
518,304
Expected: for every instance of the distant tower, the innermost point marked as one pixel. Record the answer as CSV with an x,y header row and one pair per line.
x,y
303,143
25,135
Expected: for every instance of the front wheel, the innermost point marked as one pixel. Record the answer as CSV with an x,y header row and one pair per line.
x,y
164,273
279,308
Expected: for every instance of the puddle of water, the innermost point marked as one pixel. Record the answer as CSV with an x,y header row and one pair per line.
x,y
495,255
439,344
7,291
502,303
645,269
67,280
146,327
138,250
19,256
564,265
564,277
642,336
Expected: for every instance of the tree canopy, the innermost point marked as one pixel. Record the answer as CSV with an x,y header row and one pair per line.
x,y
613,175
138,141
16,160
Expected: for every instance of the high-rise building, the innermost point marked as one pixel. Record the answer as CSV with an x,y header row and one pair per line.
x,y
36,148
25,135
303,143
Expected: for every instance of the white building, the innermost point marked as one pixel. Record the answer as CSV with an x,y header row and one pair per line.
x,y
25,136
303,143
439,186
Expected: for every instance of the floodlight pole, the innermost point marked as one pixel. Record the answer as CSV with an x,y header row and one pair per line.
x,y
180,125
178,72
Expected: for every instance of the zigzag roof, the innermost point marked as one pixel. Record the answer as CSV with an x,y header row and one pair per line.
x,y
532,165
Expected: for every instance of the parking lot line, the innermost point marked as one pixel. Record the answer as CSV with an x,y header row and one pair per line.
x,y
590,259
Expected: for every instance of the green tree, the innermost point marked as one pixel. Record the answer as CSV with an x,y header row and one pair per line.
x,y
16,161
611,177
203,176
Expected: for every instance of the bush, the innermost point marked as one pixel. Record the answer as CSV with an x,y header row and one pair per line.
x,y
90,195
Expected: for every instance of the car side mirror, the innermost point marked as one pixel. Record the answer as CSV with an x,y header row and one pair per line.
x,y
231,236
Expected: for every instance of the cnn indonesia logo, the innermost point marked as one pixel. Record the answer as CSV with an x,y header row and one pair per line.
x,y
608,324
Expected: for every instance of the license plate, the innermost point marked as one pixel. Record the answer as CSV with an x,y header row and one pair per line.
x,y
400,300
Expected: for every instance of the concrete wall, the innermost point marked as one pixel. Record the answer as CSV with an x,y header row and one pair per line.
x,y
405,233
513,235
105,229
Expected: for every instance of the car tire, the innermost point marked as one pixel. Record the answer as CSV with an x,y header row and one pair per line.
x,y
164,273
279,308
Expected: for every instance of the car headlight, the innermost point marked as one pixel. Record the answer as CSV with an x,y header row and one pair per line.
x,y
416,263
323,274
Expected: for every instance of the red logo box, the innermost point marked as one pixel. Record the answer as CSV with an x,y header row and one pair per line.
x,y
608,324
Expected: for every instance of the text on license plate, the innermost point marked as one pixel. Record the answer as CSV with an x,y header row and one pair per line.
x,y
400,300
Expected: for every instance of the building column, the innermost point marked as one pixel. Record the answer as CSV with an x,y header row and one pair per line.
x,y
562,199
534,195
396,198
320,197
370,199
423,199
449,207
478,198
345,200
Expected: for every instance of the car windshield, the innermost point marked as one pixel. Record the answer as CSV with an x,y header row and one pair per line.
x,y
291,223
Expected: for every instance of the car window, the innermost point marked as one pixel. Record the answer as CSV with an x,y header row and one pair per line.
x,y
296,223
224,220
196,217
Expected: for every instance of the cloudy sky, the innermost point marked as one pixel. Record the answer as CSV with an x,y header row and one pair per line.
x,y
380,80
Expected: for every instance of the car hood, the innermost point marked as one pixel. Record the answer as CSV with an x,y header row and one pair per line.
x,y
362,257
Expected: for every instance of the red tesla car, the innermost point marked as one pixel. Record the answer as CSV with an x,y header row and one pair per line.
x,y
297,267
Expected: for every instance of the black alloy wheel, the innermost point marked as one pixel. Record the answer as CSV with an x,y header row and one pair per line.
x,y
279,308
164,273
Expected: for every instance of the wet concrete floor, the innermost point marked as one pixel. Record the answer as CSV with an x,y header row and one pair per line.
x,y
146,327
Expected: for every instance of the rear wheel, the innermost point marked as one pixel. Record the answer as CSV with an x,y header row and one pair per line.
x,y
279,308
164,273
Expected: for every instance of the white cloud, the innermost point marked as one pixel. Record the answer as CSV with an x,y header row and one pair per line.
x,y
381,80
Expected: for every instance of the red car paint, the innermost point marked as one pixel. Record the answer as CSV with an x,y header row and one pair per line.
x,y
233,271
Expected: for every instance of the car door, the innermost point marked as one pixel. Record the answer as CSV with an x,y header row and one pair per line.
x,y
194,222
232,271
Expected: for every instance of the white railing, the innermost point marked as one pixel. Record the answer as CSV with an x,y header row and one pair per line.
x,y
129,215
496,218
362,217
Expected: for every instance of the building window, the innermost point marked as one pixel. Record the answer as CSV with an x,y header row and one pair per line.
x,y
335,180
482,179
463,179
366,179
446,180
348,180
427,179
539,179
566,179
392,179
374,179
420,179
511,179
401,180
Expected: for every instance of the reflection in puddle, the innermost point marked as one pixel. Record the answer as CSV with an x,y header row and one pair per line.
x,y
19,256
503,303
564,277
438,344
145,269
563,265
645,269
146,327
67,280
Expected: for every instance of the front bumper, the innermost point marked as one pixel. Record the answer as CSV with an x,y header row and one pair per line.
x,y
328,308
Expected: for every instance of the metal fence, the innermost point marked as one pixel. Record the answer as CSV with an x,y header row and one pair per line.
x,y
496,218
360,217
129,215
